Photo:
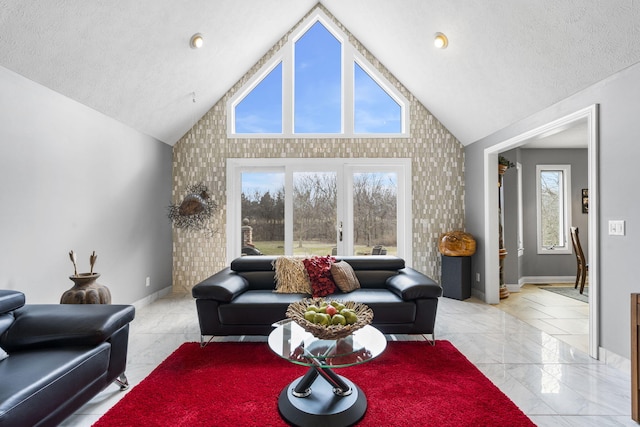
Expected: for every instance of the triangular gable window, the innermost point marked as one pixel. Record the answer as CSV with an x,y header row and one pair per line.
x,y
318,84
254,115
375,111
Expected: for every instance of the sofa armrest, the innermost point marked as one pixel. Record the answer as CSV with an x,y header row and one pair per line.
x,y
55,325
410,284
223,286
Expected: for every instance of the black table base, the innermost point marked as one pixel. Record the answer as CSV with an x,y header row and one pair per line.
x,y
329,400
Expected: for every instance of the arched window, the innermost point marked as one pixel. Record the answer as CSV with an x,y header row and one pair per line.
x,y
318,85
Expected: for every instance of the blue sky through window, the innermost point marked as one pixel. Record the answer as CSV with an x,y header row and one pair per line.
x,y
375,111
261,110
272,182
317,90
261,182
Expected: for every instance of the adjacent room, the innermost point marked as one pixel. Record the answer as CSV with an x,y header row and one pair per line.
x,y
233,213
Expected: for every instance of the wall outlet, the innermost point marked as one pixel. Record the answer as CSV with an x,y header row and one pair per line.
x,y
148,282
478,277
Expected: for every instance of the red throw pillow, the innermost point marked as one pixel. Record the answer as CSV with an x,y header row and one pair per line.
x,y
319,270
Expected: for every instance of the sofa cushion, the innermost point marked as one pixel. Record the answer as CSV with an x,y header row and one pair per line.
x,y
344,276
388,308
257,307
291,276
37,383
319,270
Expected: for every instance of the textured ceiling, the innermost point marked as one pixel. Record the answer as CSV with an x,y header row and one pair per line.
x,y
131,60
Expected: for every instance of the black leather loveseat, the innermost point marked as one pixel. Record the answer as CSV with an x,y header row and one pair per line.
x,y
59,357
239,300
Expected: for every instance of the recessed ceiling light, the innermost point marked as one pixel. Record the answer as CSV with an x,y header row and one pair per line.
x,y
441,41
196,41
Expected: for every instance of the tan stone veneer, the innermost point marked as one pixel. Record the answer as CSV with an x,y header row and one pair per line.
x,y
437,168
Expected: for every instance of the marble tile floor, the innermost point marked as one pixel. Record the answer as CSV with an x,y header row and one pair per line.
x,y
553,382
561,317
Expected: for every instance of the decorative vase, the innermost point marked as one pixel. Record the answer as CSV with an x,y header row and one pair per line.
x,y
86,291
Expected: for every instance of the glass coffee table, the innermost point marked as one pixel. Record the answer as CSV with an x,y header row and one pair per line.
x,y
321,397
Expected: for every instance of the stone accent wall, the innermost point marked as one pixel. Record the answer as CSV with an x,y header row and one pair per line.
x,y
437,167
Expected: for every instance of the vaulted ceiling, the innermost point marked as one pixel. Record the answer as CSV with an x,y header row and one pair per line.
x,y
131,60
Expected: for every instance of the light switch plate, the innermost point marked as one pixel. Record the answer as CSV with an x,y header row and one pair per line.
x,y
616,228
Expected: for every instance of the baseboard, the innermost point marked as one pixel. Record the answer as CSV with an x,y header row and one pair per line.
x,y
151,298
538,280
478,294
514,288
615,360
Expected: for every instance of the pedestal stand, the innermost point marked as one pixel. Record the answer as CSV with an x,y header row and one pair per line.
x,y
456,277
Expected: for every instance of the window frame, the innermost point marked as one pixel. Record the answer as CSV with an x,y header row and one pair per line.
x,y
350,55
344,167
565,204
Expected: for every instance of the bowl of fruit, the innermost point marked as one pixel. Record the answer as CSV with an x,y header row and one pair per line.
x,y
329,320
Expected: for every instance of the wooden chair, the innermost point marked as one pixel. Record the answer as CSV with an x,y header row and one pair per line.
x,y
583,267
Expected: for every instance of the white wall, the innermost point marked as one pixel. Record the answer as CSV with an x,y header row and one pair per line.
x,y
619,174
72,178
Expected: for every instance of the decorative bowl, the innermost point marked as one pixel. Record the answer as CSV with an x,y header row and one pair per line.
x,y
296,311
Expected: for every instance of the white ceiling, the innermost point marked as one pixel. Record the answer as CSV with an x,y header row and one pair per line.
x,y
131,60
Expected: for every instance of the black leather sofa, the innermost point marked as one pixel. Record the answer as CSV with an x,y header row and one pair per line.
x,y
239,300
59,357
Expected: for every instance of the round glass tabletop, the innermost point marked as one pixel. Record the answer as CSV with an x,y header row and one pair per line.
x,y
293,343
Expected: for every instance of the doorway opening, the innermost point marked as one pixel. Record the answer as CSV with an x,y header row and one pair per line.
x,y
492,284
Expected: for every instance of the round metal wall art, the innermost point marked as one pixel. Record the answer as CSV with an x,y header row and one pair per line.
x,y
195,210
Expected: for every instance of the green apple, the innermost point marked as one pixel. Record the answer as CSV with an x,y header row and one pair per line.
x,y
312,307
309,315
338,319
338,305
321,319
350,316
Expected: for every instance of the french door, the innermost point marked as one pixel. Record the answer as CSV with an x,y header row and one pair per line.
x,y
308,207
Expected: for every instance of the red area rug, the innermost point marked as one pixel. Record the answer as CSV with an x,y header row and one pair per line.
x,y
237,384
